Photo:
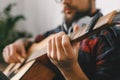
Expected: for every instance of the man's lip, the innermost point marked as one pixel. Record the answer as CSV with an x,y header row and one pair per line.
x,y
67,9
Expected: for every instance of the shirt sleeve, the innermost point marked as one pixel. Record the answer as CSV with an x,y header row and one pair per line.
x,y
40,37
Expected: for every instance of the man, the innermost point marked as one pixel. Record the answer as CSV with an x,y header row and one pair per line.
x,y
96,58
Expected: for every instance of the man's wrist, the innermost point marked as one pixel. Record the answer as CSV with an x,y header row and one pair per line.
x,y
26,42
74,73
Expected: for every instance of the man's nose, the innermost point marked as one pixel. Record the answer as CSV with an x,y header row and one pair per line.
x,y
66,1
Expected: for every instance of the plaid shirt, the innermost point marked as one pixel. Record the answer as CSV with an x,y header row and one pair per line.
x,y
99,54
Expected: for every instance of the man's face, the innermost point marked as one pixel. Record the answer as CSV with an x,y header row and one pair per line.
x,y
73,7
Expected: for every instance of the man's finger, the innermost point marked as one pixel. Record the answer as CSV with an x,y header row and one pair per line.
x,y
23,52
67,45
75,28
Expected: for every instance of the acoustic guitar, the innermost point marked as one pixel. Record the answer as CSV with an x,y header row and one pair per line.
x,y
38,66
2,76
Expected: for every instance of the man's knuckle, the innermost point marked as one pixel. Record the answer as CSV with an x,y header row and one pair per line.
x,y
65,43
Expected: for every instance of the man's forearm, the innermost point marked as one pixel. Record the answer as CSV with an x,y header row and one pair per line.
x,y
74,73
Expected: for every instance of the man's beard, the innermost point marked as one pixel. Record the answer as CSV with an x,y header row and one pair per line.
x,y
78,15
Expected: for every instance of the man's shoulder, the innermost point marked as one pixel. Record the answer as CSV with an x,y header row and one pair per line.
x,y
53,31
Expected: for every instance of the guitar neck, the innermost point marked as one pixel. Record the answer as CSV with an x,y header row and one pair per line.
x,y
102,23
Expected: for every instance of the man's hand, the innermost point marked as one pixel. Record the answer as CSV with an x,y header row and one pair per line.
x,y
65,56
61,52
14,52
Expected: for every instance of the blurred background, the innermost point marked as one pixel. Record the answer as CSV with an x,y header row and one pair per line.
x,y
25,18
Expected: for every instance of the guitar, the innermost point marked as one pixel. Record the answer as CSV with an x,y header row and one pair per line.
x,y
2,76
37,66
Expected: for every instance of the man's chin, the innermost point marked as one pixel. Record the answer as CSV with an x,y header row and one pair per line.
x,y
69,14
69,18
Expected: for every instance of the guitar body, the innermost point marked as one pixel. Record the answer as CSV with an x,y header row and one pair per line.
x,y
40,69
43,69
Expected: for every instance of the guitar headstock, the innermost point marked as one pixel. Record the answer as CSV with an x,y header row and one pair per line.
x,y
103,22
